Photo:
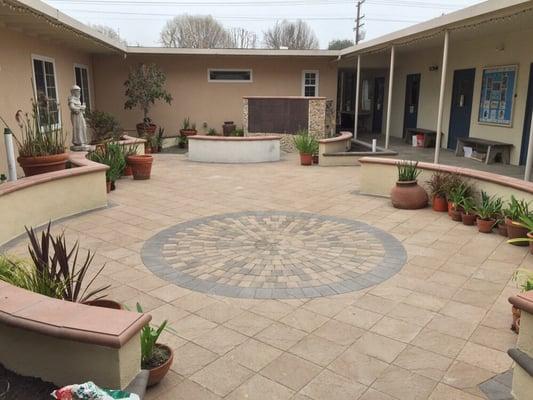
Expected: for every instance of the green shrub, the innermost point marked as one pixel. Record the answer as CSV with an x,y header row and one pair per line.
x,y
114,156
104,126
305,143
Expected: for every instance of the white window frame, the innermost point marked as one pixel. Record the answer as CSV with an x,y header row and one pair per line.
x,y
77,65
317,81
56,77
230,80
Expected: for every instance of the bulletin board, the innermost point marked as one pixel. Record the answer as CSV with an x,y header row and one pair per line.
x,y
497,95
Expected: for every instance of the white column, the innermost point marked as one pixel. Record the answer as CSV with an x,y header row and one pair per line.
x,y
529,159
441,95
10,155
357,89
389,99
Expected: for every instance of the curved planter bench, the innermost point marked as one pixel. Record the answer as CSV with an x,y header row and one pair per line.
x,y
234,150
378,176
64,342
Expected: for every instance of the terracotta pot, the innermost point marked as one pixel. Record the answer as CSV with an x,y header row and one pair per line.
x,y
127,171
530,235
141,166
408,195
502,229
158,373
468,219
146,129
228,128
515,326
485,225
108,186
439,203
516,231
105,304
306,159
188,132
147,148
43,164
315,159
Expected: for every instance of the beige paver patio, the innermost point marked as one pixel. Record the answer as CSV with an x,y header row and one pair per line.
x,y
434,330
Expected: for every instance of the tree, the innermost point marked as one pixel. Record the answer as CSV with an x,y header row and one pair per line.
x,y
296,35
339,44
242,38
109,32
195,32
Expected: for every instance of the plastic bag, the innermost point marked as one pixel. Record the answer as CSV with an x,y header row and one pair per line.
x,y
89,391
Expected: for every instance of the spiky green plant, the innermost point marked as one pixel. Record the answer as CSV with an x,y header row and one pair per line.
x,y
305,143
149,337
408,171
489,208
114,156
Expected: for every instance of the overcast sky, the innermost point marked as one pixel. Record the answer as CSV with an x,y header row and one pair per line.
x,y
140,21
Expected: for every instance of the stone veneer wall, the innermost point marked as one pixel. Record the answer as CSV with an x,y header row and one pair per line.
x,y
320,122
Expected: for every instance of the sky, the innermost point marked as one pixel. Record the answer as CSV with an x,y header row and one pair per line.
x,y
141,21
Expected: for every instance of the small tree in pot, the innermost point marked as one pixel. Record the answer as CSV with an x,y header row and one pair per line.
x,y
145,85
407,193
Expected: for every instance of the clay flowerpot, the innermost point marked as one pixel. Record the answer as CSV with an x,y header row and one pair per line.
x,y
515,326
516,231
315,159
158,373
188,132
450,208
485,225
306,159
105,304
127,171
502,229
147,148
468,219
146,129
141,166
228,128
108,186
439,203
43,164
408,195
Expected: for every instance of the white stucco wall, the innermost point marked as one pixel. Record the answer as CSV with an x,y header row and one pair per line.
x,y
234,151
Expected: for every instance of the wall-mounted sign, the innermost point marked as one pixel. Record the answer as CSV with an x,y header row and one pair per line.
x,y
497,95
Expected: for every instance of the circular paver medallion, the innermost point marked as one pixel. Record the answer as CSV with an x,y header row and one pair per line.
x,y
272,255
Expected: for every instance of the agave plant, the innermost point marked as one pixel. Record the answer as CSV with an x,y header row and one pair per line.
x,y
408,171
489,208
305,143
149,337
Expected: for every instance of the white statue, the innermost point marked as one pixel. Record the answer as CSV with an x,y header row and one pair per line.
x,y
79,128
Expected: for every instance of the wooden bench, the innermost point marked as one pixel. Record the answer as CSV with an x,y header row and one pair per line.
x,y
492,150
430,137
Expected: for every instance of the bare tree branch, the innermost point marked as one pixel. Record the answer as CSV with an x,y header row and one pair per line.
x,y
109,32
296,35
196,32
242,38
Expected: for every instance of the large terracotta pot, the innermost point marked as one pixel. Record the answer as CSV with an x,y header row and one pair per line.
x,y
188,132
439,203
485,225
158,373
141,165
306,159
43,164
468,219
502,229
516,231
408,195
146,129
127,171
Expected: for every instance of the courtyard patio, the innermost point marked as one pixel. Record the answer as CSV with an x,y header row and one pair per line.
x,y
425,316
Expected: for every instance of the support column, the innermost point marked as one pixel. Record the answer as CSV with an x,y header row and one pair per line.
x,y
357,89
441,96
389,99
529,159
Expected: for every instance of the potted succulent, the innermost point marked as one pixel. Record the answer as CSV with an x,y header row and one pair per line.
x,y
104,126
145,85
455,199
516,209
306,145
42,144
438,185
487,210
407,193
526,221
141,165
524,279
112,155
468,214
212,132
155,357
188,128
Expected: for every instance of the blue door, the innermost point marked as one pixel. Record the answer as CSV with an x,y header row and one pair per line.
x,y
461,108
412,95
527,119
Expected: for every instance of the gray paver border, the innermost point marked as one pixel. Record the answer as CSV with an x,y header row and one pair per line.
x,y
394,259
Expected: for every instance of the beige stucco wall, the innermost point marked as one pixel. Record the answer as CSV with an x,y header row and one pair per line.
x,y
16,72
482,52
202,101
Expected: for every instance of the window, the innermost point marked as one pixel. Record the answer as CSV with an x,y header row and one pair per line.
x,y
82,80
310,83
46,91
229,75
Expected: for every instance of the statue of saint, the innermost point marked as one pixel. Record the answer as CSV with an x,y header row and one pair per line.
x,y
79,128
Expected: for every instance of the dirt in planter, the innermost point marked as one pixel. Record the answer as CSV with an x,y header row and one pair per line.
x,y
17,387
159,357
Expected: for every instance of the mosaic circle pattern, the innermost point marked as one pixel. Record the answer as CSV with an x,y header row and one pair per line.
x,y
273,255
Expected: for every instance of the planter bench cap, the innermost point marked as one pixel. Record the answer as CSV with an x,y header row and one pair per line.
x,y
523,301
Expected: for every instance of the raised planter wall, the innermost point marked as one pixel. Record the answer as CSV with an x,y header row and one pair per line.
x,y
223,149
379,175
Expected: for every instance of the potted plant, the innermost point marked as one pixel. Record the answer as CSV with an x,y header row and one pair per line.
x,y
128,151
452,183
524,280
112,155
306,145
188,128
141,165
212,132
228,128
183,141
104,126
438,185
407,193
455,199
42,144
516,209
468,215
155,357
145,85
526,221
487,210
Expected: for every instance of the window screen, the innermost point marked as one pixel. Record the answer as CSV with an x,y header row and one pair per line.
x,y
230,75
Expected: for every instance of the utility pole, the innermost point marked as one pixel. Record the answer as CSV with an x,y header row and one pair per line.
x,y
358,24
